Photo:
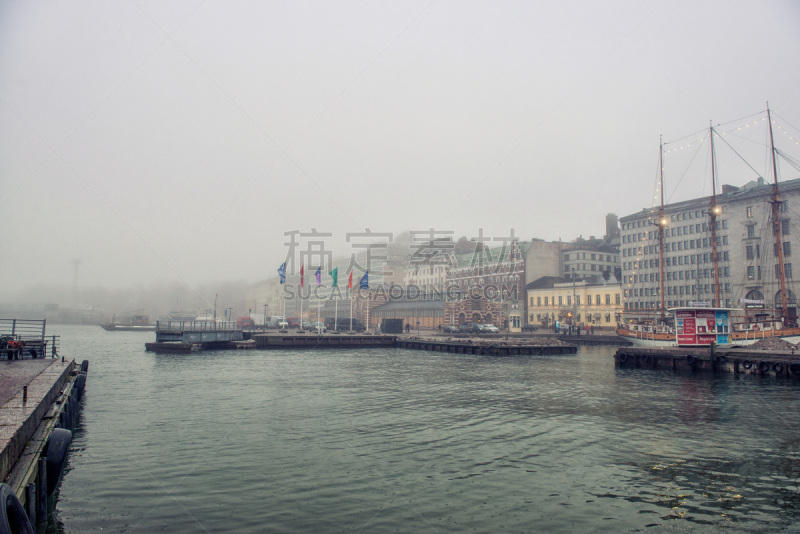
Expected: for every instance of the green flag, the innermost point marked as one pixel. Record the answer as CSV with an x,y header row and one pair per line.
x,y
335,275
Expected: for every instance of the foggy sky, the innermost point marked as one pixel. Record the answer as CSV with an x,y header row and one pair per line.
x,y
177,141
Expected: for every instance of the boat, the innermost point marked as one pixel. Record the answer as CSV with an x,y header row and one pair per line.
x,y
747,326
136,322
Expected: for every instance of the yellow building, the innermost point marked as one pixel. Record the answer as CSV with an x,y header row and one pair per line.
x,y
592,300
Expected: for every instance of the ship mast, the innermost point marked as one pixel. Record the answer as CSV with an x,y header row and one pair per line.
x,y
776,222
713,211
662,222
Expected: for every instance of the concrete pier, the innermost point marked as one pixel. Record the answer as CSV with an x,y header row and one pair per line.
x,y
324,341
31,393
784,364
489,347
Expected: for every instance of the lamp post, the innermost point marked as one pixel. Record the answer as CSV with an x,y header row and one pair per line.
x,y
574,302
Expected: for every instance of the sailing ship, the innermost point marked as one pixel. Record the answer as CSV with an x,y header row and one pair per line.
x,y
745,326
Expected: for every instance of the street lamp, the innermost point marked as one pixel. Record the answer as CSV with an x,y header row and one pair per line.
x,y
574,302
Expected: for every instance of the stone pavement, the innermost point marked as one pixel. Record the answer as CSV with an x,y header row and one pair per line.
x,y
16,374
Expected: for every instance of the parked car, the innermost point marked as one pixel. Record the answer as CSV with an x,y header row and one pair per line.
x,y
450,329
467,328
317,327
490,328
343,324
529,328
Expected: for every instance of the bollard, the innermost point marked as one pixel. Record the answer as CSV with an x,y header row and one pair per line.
x,y
41,484
24,394
30,502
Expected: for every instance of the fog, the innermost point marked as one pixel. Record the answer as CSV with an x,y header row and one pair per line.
x,y
152,145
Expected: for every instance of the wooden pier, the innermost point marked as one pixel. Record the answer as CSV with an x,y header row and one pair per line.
x,y
734,360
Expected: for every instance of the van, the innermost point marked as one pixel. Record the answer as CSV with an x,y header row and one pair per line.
x,y
343,324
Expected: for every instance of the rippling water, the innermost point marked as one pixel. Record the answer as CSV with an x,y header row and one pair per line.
x,y
393,440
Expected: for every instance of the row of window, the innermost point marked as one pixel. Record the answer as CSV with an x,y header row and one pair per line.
x,y
674,246
786,226
640,305
598,300
698,214
674,231
677,290
594,257
586,267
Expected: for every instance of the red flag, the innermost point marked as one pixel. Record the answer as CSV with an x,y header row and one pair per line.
x,y
350,281
301,275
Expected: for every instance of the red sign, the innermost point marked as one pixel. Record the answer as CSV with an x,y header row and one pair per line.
x,y
687,339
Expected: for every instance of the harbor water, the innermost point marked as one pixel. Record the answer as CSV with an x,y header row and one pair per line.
x,y
392,440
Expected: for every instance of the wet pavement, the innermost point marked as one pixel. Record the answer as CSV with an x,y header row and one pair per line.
x,y
16,374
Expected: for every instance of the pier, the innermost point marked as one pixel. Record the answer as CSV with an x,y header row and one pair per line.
x,y
489,347
779,363
175,338
38,408
322,341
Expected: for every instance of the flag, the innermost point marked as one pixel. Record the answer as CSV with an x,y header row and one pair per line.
x,y
350,281
318,275
301,275
364,284
335,275
282,272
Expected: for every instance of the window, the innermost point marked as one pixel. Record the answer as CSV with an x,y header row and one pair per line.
x,y
785,227
569,300
560,300
749,252
751,230
539,301
617,299
787,270
749,212
751,273
787,249
608,299
546,299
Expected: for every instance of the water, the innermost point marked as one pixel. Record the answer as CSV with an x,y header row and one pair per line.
x,y
391,440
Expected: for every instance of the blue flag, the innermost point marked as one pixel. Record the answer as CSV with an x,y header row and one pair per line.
x,y
364,281
282,272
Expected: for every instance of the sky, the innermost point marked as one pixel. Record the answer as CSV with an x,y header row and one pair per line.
x,y
184,141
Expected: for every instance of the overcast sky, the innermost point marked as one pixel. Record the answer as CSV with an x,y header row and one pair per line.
x,y
157,141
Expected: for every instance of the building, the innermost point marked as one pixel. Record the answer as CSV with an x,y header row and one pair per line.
x,y
585,259
747,266
594,300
